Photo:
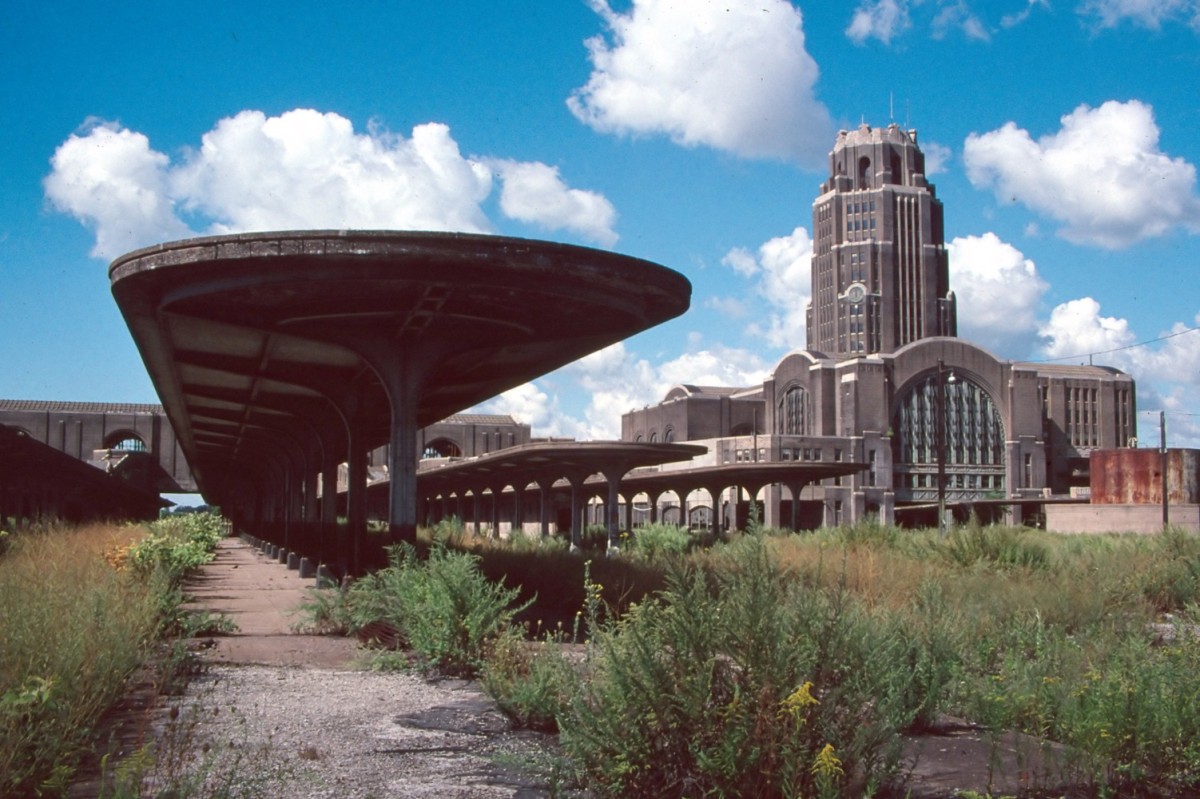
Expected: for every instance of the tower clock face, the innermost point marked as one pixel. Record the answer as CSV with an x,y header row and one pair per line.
x,y
856,293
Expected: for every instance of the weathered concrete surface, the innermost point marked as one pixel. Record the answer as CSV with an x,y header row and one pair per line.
x,y
262,597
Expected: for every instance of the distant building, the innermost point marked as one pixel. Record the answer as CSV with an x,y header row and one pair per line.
x,y
881,331
136,442
133,441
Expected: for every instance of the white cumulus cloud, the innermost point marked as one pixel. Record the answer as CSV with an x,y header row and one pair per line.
x,y
1166,367
734,76
301,170
532,405
1102,175
959,16
882,20
112,180
617,380
999,292
535,193
1147,13
781,269
937,156
304,169
1076,328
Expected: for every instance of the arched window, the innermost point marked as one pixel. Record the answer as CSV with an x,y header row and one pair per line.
x,y
795,413
974,443
129,444
653,436
441,448
864,173
669,436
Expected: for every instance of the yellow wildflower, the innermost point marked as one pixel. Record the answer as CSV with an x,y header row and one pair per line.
x,y
826,765
798,700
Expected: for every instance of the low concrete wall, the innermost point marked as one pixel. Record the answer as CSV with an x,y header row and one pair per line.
x,y
1119,518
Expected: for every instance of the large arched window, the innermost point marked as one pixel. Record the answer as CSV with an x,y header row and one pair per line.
x,y
126,442
442,448
794,417
974,441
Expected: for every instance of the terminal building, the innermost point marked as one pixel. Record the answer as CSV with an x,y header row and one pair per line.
x,y
884,372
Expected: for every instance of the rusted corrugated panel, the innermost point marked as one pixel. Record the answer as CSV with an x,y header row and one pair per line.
x,y
1134,476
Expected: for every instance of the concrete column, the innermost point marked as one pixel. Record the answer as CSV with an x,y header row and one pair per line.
x,y
544,489
795,489
577,509
611,506
402,456
517,526
356,496
718,516
494,515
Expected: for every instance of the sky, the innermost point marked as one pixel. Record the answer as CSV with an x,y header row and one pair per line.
x,y
1062,137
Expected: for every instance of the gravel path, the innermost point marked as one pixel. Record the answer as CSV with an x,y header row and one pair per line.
x,y
300,732
287,715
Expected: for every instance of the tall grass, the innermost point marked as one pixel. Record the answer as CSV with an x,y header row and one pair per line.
x,y
80,610
72,629
690,688
744,683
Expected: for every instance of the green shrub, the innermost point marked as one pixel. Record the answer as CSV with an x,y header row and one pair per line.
x,y
1005,547
532,682
176,546
594,537
659,540
444,608
744,683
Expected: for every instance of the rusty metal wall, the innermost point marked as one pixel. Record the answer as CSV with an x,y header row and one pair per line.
x,y
1134,476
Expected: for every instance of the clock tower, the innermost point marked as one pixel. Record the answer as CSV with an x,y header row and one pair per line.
x,y
880,275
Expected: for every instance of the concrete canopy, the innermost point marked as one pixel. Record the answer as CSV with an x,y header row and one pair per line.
x,y
540,461
278,354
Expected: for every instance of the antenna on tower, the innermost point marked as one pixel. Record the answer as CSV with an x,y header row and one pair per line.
x,y
906,125
892,108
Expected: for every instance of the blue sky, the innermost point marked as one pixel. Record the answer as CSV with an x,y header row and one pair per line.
x,y
1063,138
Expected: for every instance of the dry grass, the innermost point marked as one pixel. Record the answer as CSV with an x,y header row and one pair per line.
x,y
72,629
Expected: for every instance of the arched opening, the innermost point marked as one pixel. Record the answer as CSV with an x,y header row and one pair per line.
x,y
864,173
974,446
794,417
125,442
669,436
653,436
441,448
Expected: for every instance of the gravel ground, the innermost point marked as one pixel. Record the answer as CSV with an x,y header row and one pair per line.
x,y
305,732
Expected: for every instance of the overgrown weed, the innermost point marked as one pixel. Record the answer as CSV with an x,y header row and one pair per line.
x,y
80,609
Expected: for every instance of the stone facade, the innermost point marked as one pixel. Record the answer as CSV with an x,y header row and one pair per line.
x,y
885,374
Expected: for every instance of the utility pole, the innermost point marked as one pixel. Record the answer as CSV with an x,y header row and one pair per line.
x,y
1162,426
940,424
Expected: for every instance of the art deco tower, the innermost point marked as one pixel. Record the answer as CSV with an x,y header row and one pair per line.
x,y
880,275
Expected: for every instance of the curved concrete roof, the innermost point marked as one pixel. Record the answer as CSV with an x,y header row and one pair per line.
x,y
262,346
522,465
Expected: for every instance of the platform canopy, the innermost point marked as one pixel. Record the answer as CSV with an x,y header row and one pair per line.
x,y
279,354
